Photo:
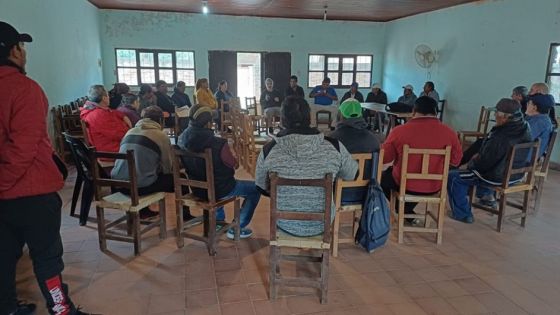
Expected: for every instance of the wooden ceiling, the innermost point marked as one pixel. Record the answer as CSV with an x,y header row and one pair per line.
x,y
350,10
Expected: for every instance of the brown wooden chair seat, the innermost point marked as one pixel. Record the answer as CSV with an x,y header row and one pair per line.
x,y
211,235
316,248
131,205
508,186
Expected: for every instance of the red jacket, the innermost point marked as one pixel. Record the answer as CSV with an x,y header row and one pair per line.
x,y
26,164
421,133
106,127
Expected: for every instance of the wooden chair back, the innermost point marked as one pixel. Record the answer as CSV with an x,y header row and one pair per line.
x,y
85,132
425,173
278,214
180,180
251,105
362,179
441,108
485,119
542,169
99,182
81,155
321,120
518,154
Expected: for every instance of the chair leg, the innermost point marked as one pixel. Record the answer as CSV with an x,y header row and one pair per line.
x,y
336,228
501,211
87,198
526,198
101,228
440,219
135,219
211,241
179,216
400,230
539,185
237,218
162,219
324,276
272,274
76,194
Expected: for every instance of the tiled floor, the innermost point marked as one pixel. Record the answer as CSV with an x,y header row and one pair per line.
x,y
475,271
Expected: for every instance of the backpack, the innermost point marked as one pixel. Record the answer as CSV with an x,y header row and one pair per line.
x,y
374,228
398,107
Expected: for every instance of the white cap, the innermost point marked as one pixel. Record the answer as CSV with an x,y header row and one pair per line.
x,y
408,87
376,86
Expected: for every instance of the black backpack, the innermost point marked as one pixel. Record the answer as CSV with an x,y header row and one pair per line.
x,y
398,107
375,227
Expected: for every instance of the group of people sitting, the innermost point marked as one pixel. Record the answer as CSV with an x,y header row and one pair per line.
x,y
299,150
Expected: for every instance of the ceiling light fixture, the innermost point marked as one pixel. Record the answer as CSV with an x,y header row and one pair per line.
x,y
205,7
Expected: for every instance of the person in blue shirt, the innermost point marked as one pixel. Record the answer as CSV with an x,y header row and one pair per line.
x,y
538,107
324,96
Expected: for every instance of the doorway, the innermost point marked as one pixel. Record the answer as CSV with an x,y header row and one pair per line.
x,y
248,76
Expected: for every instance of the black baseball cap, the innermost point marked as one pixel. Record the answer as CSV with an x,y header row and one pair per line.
x,y
9,37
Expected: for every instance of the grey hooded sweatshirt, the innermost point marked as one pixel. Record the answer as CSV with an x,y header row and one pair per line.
x,y
303,154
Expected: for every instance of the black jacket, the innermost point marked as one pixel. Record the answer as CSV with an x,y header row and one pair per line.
x,y
271,96
165,102
197,139
491,162
359,97
180,99
298,92
380,98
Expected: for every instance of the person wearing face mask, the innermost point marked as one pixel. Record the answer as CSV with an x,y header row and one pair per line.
x,y
271,99
30,207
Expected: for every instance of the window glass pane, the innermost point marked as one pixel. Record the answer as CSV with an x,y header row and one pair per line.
x,y
316,62
146,59
186,76
128,76
334,77
363,79
363,63
184,59
315,78
554,84
167,76
348,64
333,63
555,60
347,78
165,60
147,76
126,58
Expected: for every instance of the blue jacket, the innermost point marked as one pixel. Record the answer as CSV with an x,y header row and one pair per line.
x,y
541,128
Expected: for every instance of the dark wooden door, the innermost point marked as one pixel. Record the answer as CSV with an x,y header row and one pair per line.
x,y
222,65
278,67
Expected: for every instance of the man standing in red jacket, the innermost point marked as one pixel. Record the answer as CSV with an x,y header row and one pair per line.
x,y
30,206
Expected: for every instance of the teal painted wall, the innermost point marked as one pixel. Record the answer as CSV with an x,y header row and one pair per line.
x,y
137,29
63,57
485,50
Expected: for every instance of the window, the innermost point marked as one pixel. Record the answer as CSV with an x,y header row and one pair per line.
x,y
553,71
341,69
140,66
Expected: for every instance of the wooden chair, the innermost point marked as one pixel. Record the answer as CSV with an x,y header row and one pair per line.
x,y
317,246
482,128
251,148
85,131
508,186
441,108
439,198
362,180
59,145
321,120
251,105
225,118
130,205
541,172
211,234
237,133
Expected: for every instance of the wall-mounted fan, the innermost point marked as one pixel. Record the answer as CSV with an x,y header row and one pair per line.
x,y
424,55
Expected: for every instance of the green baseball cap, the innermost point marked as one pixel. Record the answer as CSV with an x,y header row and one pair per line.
x,y
351,108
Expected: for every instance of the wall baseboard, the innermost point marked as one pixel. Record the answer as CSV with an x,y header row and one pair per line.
x,y
554,166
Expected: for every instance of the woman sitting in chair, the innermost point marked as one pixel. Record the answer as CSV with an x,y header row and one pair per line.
x,y
198,137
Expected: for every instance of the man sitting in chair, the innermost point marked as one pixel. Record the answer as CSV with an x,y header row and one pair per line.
x,y
423,131
300,151
537,115
198,137
353,133
489,165
153,157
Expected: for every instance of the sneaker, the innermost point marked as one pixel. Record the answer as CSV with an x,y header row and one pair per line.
x,y
244,233
190,219
24,308
468,220
488,201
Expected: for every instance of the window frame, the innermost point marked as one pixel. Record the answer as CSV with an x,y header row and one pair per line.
x,y
156,66
340,70
548,73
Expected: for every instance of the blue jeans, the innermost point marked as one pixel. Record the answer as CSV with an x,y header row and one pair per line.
x,y
458,185
248,191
